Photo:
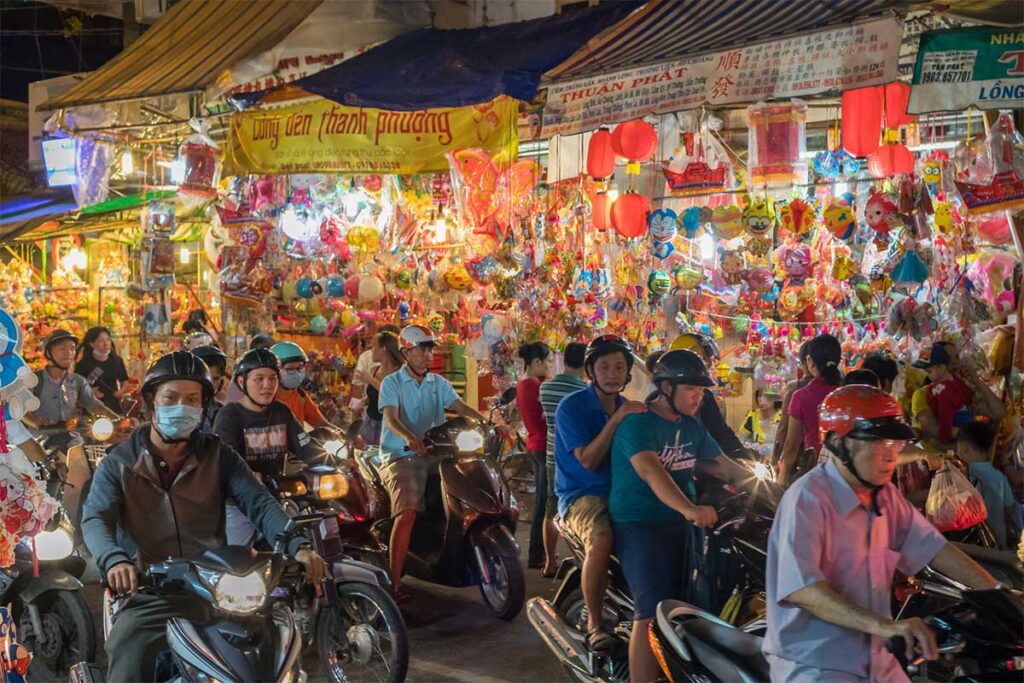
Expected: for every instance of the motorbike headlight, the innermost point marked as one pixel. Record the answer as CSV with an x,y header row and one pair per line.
x,y
54,545
469,440
102,429
240,594
332,486
335,448
763,472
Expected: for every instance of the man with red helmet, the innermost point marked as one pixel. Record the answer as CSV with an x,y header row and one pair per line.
x,y
413,401
840,533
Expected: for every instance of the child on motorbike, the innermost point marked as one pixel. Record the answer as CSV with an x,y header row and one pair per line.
x,y
585,423
651,503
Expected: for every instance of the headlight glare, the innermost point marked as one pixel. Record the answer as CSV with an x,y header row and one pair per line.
x,y
240,594
102,429
332,486
469,440
54,545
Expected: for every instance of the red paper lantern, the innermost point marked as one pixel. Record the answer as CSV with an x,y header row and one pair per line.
x,y
635,140
629,214
600,155
890,159
601,211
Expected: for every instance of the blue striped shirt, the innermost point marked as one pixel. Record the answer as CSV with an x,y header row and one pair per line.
x,y
551,394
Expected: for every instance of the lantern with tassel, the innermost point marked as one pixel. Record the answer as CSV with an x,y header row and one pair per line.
x,y
635,140
629,214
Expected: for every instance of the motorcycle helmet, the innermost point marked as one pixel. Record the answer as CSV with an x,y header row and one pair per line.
x,y
698,343
416,336
605,345
255,359
288,352
212,356
682,367
55,337
177,365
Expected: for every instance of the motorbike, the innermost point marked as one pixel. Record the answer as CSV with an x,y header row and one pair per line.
x,y
50,610
354,622
466,536
978,633
252,636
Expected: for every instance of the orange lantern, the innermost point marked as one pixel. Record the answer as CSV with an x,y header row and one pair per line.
x,y
601,208
890,159
635,140
629,214
600,155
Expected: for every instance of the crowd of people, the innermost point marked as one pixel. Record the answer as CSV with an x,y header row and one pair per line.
x,y
613,441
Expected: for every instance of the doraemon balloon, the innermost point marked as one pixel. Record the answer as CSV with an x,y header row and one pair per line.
x,y
12,366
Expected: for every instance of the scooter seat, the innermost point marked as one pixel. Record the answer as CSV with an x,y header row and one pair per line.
x,y
728,653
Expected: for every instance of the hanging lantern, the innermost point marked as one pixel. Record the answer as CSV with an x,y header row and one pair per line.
x,y
629,214
891,159
600,155
601,208
635,140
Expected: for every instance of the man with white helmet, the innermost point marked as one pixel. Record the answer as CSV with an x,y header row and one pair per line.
x,y
413,400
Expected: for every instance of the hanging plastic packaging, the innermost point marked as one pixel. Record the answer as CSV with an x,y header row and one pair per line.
x,y
992,178
953,503
777,142
199,157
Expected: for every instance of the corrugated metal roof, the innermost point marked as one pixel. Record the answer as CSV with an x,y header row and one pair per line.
x,y
188,48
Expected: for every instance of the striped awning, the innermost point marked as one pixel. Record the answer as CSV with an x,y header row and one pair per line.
x,y
188,48
668,29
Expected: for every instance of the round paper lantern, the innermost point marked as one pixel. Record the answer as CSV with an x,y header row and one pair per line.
x,y
890,159
629,214
352,287
601,207
600,155
634,140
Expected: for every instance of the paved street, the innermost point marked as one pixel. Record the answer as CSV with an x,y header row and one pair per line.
x,y
454,639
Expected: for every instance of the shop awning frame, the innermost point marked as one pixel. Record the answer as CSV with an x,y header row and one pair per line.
x,y
188,49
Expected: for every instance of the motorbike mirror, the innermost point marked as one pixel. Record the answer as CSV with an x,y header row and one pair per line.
x,y
507,396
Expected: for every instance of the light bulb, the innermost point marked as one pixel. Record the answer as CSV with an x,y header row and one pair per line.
x,y
75,260
127,163
184,255
613,194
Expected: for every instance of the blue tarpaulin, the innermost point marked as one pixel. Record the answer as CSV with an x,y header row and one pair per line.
x,y
452,68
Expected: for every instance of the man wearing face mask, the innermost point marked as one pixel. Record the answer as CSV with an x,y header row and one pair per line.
x,y
161,493
293,374
217,361
262,430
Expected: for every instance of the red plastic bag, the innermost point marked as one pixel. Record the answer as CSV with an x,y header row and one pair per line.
x,y
953,503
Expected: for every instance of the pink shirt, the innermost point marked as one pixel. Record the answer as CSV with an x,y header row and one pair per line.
x,y
804,407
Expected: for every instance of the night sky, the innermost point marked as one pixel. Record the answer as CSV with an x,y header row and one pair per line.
x,y
39,41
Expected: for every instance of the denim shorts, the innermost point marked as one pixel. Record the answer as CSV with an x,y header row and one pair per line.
x,y
651,555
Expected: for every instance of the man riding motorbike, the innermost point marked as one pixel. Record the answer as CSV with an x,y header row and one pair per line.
x,y
653,456
585,423
413,401
263,431
217,362
61,393
161,493
710,413
840,533
293,374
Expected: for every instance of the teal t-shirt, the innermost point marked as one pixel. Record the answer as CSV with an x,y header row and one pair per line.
x,y
679,444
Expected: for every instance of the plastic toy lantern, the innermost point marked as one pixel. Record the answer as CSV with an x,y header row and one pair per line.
x,y
200,158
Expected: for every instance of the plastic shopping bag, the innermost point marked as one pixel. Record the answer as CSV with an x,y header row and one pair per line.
x,y
953,503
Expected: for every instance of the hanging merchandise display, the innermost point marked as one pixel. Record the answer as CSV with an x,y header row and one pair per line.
x,y
777,143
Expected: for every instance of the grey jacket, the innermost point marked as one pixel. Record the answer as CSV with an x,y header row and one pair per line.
x,y
127,510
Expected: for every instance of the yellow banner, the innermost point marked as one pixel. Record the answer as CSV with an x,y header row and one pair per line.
x,y
325,137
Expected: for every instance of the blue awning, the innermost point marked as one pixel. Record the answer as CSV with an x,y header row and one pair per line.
x,y
453,68
669,29
23,213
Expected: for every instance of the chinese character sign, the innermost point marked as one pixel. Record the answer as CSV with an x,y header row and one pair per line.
x,y
982,66
839,58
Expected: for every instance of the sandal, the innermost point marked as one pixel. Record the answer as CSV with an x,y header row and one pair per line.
x,y
598,640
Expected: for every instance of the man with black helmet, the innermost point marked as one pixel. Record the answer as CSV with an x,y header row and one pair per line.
x,y
651,503
585,423
261,429
62,393
161,493
217,362
840,533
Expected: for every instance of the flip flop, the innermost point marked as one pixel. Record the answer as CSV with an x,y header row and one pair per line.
x,y
600,641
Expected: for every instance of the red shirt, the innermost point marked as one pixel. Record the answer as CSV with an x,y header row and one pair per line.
x,y
528,401
945,398
804,406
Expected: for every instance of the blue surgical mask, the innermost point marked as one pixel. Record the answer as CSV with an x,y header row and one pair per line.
x,y
177,421
290,379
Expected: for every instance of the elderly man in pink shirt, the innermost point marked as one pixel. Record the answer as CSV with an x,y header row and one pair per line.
x,y
840,533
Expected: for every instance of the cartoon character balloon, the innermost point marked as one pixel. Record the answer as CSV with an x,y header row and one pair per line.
x,y
759,217
882,212
840,219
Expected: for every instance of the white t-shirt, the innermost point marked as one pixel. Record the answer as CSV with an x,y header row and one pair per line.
x,y
364,364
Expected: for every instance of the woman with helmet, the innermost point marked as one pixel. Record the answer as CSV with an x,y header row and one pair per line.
x,y
651,503
161,493
293,373
839,535
710,413
217,362
413,400
262,430
585,423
